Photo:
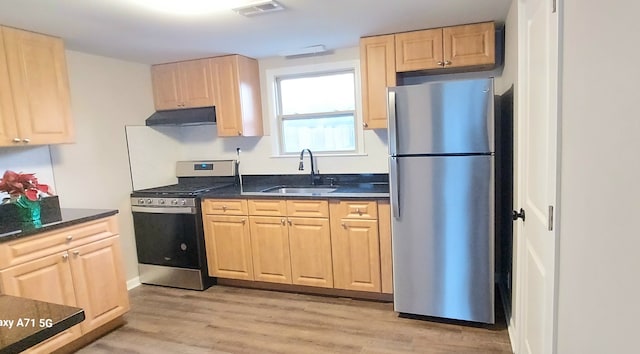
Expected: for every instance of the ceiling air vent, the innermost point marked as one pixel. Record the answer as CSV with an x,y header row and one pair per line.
x,y
259,8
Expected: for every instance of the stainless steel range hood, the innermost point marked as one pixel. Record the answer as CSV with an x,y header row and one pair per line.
x,y
185,116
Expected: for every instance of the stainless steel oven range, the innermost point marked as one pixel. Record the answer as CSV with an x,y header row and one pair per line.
x,y
168,225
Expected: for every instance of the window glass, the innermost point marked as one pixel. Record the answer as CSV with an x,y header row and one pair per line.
x,y
317,111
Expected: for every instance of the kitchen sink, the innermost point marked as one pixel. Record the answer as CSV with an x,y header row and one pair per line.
x,y
312,190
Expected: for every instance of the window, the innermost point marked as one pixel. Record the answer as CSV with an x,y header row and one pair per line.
x,y
316,109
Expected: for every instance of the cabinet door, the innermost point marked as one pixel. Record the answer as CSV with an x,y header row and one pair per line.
x,y
46,279
237,87
195,83
469,45
99,282
419,50
378,68
224,71
39,84
310,247
8,127
384,229
356,254
270,249
228,246
166,86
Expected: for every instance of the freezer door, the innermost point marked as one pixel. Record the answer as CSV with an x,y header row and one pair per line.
x,y
447,117
443,237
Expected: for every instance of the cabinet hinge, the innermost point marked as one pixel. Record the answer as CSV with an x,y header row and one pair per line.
x,y
550,227
554,6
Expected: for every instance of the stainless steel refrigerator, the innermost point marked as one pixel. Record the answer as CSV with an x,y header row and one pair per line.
x,y
441,164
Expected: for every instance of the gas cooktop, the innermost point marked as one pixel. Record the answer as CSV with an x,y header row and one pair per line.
x,y
181,189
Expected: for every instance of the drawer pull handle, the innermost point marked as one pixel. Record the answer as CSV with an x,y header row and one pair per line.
x,y
65,257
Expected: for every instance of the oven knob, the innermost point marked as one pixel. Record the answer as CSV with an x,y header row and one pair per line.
x,y
183,202
161,201
149,201
140,201
174,202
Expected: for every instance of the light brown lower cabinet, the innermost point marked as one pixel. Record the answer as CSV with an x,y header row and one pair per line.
x,y
88,273
270,249
336,244
228,246
310,245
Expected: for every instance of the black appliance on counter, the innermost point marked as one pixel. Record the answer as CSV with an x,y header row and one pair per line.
x,y
168,225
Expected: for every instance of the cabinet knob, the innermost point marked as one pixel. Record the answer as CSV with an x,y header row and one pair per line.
x,y
17,140
65,256
239,133
282,221
447,62
440,63
244,221
26,140
344,225
224,208
290,223
358,211
76,253
69,238
365,124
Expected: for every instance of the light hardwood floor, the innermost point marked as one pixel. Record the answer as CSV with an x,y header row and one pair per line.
x,y
236,320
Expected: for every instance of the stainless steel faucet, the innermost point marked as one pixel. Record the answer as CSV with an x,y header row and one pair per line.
x,y
301,165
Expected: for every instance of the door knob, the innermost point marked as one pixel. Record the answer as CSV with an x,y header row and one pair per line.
x,y
515,215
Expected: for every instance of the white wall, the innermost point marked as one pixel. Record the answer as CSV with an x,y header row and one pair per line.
x,y
106,95
599,290
32,159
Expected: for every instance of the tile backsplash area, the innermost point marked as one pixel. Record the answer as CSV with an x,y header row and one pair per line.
x,y
32,159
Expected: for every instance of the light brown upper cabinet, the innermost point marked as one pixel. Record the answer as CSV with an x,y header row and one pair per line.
x,y
378,71
230,83
185,84
35,107
236,80
450,47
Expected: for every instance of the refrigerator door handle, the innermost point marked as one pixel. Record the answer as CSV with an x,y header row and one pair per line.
x,y
395,185
393,131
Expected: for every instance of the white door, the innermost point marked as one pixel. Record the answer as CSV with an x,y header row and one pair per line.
x,y
537,157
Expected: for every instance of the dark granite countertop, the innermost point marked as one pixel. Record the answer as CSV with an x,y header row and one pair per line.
x,y
26,322
69,217
346,186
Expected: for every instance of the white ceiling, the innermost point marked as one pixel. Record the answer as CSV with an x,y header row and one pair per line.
x,y
123,29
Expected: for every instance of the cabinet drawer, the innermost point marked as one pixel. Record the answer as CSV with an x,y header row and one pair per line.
x,y
37,246
308,208
225,206
355,209
267,207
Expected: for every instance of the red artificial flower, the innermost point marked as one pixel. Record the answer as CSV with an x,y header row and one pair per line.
x,y
17,184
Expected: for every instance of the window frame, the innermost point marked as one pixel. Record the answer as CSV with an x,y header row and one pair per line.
x,y
274,102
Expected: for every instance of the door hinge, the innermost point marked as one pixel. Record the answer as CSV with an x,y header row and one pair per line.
x,y
550,228
554,6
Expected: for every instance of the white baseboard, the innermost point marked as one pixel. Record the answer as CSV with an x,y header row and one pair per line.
x,y
133,283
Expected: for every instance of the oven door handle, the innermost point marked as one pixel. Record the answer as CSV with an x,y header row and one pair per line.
x,y
155,210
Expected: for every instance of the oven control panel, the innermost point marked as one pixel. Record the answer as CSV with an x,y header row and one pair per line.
x,y
163,202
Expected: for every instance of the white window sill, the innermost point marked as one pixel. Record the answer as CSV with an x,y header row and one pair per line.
x,y
297,156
